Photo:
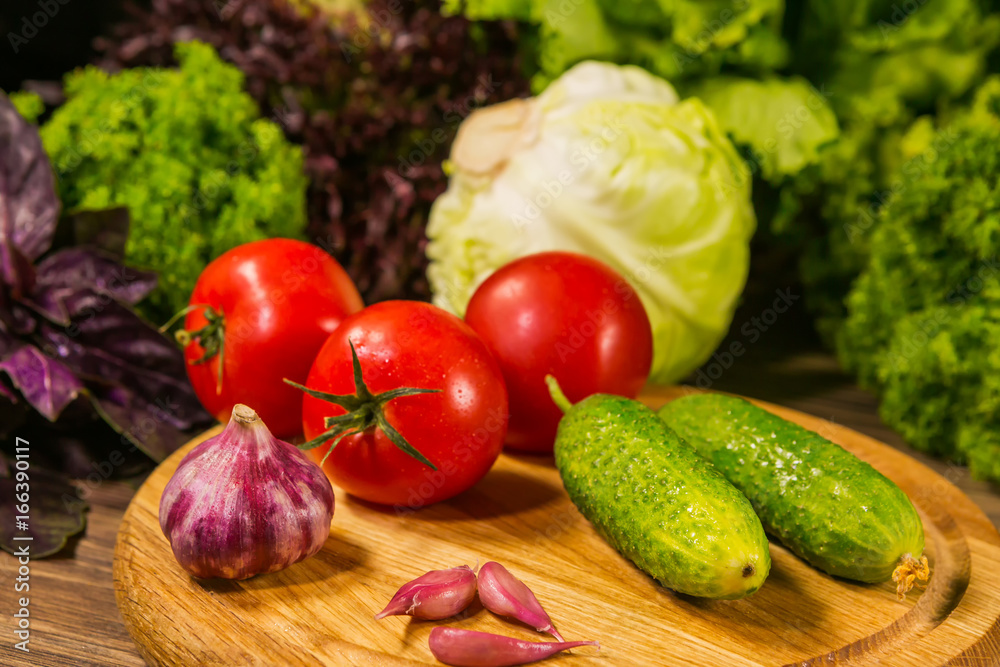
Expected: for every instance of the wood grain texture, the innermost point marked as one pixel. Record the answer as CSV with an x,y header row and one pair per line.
x,y
320,611
74,621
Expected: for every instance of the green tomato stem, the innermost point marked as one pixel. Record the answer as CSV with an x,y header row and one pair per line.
x,y
556,392
364,410
211,337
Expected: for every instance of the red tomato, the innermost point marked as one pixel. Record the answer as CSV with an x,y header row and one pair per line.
x,y
279,300
567,315
460,429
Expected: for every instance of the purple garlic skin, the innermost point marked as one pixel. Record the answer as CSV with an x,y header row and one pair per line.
x,y
433,596
468,648
245,503
506,595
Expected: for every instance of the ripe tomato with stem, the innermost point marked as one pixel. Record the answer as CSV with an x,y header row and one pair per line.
x,y
259,313
405,405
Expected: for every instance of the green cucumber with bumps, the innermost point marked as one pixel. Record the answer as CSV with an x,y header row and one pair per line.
x,y
829,507
656,501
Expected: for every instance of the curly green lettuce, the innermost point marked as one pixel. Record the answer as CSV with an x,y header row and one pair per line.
x,y
491,10
29,105
884,64
676,40
924,315
187,152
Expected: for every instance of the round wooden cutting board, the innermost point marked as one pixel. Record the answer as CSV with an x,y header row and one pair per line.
x,y
319,612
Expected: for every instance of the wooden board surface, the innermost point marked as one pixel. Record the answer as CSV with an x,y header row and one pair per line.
x,y
320,611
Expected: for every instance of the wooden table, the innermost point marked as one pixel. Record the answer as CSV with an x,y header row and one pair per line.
x,y
75,622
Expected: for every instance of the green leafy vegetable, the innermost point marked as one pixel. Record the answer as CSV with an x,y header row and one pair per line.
x,y
608,163
784,122
29,105
186,151
523,10
883,64
676,40
924,316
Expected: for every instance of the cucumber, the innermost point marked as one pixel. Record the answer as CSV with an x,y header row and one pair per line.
x,y
656,501
829,507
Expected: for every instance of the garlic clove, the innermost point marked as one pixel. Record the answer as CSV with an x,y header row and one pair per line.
x,y
468,648
433,596
245,503
504,594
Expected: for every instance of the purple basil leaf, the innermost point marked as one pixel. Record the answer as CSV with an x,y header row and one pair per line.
x,y
105,230
109,345
22,321
48,301
15,318
6,317
5,391
29,207
149,425
120,332
47,384
16,270
100,271
56,513
7,345
69,454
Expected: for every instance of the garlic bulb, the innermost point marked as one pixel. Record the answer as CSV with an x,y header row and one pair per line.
x,y
245,503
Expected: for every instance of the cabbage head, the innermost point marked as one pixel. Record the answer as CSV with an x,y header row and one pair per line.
x,y
605,162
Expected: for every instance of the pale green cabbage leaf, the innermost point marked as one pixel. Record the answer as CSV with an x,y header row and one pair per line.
x,y
785,122
609,163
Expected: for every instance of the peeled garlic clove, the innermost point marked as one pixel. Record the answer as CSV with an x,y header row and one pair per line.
x,y
504,594
433,596
468,648
245,503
